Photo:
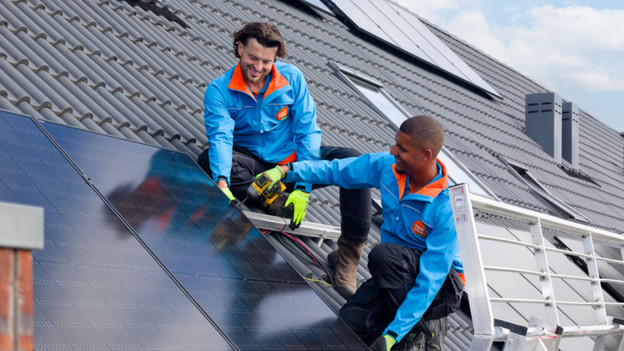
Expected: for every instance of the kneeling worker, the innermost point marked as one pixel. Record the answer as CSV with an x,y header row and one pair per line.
x,y
418,238
260,113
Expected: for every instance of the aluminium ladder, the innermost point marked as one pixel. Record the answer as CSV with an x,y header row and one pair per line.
x,y
539,333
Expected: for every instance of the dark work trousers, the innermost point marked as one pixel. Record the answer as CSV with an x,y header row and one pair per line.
x,y
355,204
374,305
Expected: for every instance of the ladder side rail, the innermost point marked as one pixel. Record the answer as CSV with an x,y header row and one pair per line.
x,y
592,270
476,283
464,205
541,260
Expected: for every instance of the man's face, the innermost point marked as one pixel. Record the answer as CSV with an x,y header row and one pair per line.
x,y
409,157
256,61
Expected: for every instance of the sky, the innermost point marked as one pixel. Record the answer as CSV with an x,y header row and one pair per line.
x,y
574,48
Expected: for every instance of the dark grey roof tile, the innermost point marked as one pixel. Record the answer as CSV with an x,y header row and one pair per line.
x,y
108,128
89,124
25,108
127,132
195,150
65,94
41,113
146,137
124,111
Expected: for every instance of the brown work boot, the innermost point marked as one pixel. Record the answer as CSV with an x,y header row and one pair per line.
x,y
345,260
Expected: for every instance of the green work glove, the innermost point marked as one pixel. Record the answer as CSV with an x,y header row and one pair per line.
x,y
275,174
299,200
383,343
228,193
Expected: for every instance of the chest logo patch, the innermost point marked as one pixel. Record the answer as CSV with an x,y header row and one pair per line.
x,y
419,228
282,114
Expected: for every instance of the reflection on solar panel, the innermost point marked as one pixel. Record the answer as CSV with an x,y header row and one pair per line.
x,y
403,30
95,285
225,264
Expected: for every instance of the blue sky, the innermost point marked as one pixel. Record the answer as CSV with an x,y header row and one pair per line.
x,y
574,48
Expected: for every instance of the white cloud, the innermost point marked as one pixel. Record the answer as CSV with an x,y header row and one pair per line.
x,y
559,47
572,45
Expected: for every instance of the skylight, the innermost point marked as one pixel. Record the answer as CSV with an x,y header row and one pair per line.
x,y
557,206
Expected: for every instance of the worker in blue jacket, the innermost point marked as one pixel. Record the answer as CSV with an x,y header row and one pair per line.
x,y
418,239
260,114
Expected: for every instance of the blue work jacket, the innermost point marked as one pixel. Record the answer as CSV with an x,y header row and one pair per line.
x,y
278,126
422,220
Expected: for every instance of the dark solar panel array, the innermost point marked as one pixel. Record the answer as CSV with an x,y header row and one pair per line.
x,y
403,30
231,271
95,285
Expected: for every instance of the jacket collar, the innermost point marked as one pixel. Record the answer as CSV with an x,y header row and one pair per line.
x,y
237,82
431,190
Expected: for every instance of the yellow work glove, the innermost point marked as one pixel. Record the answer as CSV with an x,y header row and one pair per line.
x,y
383,343
228,193
275,174
299,200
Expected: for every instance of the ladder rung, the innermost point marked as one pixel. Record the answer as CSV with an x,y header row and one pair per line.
x,y
612,281
512,270
592,330
567,252
572,277
610,260
579,303
507,241
510,300
275,223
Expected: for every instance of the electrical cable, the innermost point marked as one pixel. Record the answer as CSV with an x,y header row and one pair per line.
x,y
309,255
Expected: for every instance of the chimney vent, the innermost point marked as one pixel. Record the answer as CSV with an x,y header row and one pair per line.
x,y
543,122
570,133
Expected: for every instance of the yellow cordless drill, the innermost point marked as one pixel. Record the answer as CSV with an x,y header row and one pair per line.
x,y
259,190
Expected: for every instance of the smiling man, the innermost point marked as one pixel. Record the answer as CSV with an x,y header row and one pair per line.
x,y
418,239
260,114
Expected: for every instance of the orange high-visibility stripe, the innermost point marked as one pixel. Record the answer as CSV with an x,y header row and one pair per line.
x,y
400,180
238,81
277,81
431,190
461,276
436,187
291,158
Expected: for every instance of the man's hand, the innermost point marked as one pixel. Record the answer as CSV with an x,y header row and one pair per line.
x,y
223,185
275,174
228,193
299,199
383,343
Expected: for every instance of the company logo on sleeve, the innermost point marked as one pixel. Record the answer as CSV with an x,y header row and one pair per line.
x,y
419,228
282,114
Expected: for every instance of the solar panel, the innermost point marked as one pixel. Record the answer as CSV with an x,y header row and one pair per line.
x,y
402,29
95,285
220,259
